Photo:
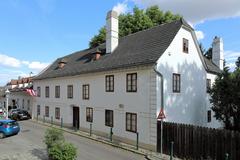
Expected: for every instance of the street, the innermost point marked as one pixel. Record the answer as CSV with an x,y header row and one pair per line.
x,y
28,145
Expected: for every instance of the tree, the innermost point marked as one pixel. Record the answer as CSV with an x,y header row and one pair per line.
x,y
202,49
225,97
137,21
238,62
208,53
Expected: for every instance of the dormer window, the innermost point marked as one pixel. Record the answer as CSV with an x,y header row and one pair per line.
x,y
62,63
185,45
96,55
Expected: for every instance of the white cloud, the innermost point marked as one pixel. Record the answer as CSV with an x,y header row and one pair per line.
x,y
9,61
200,35
231,57
197,11
37,65
121,7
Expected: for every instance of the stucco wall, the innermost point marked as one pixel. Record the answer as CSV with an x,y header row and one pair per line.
x,y
100,100
188,106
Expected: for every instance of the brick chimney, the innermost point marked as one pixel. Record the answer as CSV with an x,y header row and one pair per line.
x,y
217,52
111,31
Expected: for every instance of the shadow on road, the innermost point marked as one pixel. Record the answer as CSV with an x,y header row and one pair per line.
x,y
40,153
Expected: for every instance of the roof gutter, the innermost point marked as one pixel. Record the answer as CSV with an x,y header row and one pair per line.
x,y
161,76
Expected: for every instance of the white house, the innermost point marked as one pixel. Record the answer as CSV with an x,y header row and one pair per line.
x,y
19,97
124,82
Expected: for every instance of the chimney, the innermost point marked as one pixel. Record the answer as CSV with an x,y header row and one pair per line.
x,y
217,52
111,31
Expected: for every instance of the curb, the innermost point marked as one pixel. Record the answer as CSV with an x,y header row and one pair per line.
x,y
95,139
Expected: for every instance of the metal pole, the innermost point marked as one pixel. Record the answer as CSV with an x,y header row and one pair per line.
x,y
171,156
61,122
37,116
7,105
137,140
51,120
226,156
161,145
111,133
90,129
44,119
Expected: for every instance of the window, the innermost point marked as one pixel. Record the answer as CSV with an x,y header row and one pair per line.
x,y
85,93
176,83
47,91
70,91
57,91
23,103
57,113
185,45
89,114
46,111
132,82
109,83
28,104
208,85
38,110
39,91
109,118
209,116
131,122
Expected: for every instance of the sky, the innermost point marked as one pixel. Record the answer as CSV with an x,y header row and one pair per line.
x,y
33,33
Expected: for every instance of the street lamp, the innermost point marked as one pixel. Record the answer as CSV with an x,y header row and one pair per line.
x,y
7,92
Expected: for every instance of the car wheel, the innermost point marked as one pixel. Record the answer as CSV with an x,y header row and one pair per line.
x,y
2,135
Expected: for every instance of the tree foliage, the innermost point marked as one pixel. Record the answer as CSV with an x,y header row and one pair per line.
x,y
137,21
225,97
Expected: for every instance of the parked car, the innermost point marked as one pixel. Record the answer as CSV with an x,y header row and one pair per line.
x,y
20,115
12,111
8,127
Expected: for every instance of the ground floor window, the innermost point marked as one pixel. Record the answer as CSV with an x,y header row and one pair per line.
x,y
38,110
89,114
109,118
57,113
131,122
46,111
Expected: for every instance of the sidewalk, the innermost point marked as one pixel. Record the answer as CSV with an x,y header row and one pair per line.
x,y
148,154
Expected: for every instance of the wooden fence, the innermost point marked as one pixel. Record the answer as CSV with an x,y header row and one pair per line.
x,y
192,142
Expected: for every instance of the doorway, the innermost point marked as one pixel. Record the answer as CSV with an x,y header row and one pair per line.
x,y
76,117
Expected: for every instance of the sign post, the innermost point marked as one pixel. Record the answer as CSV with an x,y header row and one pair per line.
x,y
161,116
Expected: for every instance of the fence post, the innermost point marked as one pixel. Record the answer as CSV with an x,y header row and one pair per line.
x,y
171,154
111,134
61,122
90,129
226,156
137,140
43,118
51,120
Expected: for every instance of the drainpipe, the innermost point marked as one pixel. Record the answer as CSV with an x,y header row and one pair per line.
x,y
162,98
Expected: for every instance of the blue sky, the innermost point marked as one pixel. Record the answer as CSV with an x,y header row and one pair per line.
x,y
33,33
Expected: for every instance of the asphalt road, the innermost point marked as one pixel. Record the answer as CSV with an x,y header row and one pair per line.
x,y
28,145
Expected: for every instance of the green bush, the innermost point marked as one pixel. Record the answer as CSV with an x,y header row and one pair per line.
x,y
53,136
62,151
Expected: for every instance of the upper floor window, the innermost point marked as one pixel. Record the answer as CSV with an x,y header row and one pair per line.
x,y
176,83
89,114
208,85
85,92
109,84
185,45
39,91
57,91
47,91
109,118
70,91
132,82
131,122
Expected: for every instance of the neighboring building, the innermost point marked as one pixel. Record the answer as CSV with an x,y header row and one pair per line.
x,y
118,84
19,97
2,97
